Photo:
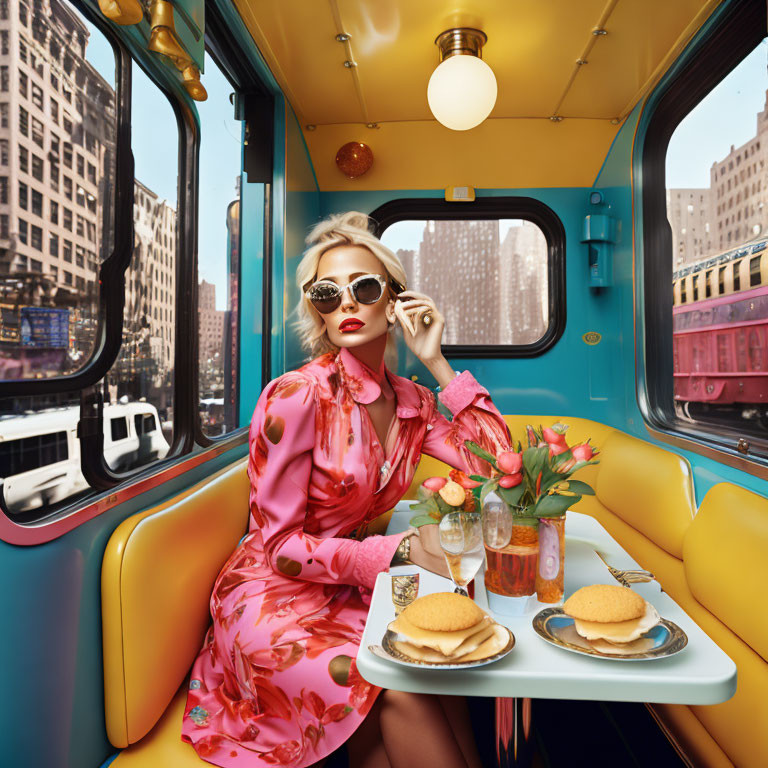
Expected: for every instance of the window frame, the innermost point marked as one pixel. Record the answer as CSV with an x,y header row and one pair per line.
x,y
488,208
732,36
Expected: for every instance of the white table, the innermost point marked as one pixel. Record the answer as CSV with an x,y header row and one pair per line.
x,y
700,674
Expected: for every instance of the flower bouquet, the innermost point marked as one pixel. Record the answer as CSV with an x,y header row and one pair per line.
x,y
438,496
524,503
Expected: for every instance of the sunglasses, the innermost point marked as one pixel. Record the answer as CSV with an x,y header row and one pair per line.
x,y
326,296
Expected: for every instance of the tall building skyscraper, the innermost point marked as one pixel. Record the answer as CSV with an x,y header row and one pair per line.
x,y
690,217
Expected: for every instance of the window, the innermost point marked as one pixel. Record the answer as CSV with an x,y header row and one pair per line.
x,y
80,256
67,222
23,231
23,195
35,265
23,121
92,173
53,242
67,277
30,453
23,159
4,189
118,428
23,85
144,424
66,251
37,203
4,42
54,212
67,125
3,151
4,114
4,229
37,167
4,10
80,226
68,188
699,371
4,78
67,154
36,239
55,149
80,165
23,14
54,82
37,95
507,256
37,132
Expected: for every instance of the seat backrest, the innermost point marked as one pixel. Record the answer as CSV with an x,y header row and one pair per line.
x,y
158,572
725,561
649,488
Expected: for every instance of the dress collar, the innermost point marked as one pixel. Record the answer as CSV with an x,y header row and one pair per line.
x,y
364,384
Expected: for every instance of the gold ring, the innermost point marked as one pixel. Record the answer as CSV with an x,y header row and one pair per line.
x,y
426,320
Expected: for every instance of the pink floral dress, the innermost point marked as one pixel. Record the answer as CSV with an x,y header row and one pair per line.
x,y
276,682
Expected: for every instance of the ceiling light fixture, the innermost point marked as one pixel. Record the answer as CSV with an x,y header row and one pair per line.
x,y
462,90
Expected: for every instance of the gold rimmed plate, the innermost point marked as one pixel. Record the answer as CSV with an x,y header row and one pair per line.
x,y
556,627
388,651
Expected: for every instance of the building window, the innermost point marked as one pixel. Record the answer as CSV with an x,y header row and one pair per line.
x,y
92,173
4,152
37,203
54,79
23,159
4,42
53,245
4,114
67,154
37,167
67,251
54,110
68,187
80,256
67,94
3,189
3,10
23,195
54,177
4,233
4,78
35,265
54,273
80,166
67,125
67,219
37,96
23,14
80,226
36,238
23,84
54,212
23,121
80,196
23,231
67,277
37,132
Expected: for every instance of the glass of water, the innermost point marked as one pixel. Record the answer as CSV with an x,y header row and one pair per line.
x,y
461,539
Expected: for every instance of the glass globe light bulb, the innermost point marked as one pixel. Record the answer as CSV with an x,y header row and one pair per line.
x,y
462,92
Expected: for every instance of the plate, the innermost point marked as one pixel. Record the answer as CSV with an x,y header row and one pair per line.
x,y
387,651
556,627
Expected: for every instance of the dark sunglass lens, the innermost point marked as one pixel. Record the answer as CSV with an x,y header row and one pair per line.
x,y
368,290
324,298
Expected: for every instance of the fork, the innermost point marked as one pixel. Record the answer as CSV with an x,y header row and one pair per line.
x,y
627,578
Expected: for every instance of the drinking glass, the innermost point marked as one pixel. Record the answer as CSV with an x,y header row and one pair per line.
x,y
461,539
405,589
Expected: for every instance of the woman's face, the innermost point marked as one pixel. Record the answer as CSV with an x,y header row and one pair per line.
x,y
343,264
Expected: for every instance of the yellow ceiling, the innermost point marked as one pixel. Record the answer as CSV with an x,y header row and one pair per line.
x,y
534,47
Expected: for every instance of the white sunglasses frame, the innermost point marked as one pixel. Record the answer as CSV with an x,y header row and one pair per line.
x,y
382,281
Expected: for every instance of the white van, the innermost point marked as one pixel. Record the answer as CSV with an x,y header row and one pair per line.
x,y
40,452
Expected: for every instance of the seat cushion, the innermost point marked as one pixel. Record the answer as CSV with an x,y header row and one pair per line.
x,y
649,488
158,572
726,564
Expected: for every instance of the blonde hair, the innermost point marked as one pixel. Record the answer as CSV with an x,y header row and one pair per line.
x,y
339,229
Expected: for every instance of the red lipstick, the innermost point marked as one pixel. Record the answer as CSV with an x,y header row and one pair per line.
x,y
350,324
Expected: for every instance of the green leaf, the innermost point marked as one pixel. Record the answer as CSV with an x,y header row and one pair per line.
x,y
442,505
512,496
478,478
481,452
554,505
533,461
577,486
422,494
421,507
418,520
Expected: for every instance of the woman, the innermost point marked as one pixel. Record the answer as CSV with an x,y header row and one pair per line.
x,y
333,445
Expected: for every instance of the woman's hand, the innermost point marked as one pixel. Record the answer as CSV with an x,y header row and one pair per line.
x,y
419,556
423,341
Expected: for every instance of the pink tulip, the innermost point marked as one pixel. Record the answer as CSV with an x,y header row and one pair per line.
x,y
510,481
510,462
583,452
553,436
556,450
434,483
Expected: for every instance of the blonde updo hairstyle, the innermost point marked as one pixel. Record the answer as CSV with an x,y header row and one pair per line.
x,y
340,229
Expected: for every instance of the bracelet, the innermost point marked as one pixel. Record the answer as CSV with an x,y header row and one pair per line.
x,y
402,554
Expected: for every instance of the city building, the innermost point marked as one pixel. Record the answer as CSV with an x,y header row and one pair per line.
x,y
739,184
689,214
524,284
211,322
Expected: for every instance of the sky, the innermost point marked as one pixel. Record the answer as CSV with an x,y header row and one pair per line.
x,y
725,117
407,234
155,151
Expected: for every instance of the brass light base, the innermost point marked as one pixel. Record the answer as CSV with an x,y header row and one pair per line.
x,y
163,38
460,41
123,12
194,87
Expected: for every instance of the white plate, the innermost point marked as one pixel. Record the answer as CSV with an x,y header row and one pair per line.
x,y
388,652
556,627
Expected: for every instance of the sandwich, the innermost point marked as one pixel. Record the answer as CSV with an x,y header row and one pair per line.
x,y
445,627
612,619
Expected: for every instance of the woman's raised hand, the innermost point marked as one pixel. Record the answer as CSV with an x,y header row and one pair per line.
x,y
423,341
419,556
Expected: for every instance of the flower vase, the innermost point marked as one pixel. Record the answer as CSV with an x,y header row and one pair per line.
x,y
551,567
510,575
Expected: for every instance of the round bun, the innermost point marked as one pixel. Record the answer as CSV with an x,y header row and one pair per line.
x,y
604,603
443,612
